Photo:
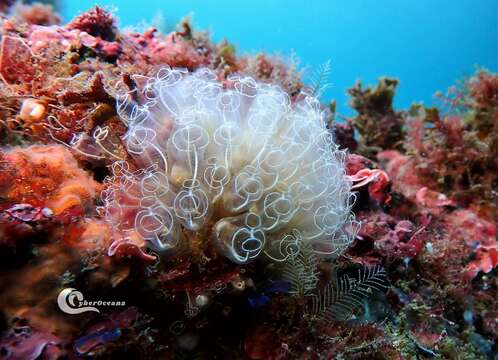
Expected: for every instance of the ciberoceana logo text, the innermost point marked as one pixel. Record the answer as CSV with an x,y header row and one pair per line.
x,y
71,301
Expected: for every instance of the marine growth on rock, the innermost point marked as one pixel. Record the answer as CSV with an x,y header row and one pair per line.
x,y
213,200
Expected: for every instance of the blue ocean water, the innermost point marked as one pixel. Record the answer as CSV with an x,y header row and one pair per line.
x,y
427,44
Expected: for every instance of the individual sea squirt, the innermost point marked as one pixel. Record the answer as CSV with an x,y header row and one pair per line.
x,y
235,167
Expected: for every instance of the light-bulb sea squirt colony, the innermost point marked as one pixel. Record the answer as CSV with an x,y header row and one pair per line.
x,y
234,165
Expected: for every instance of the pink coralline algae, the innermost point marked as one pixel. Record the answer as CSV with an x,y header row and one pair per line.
x,y
401,239
172,49
227,210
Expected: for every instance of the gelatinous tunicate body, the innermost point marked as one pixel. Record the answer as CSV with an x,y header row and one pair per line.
x,y
256,174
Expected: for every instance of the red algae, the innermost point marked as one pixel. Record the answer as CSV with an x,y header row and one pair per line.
x,y
96,22
424,180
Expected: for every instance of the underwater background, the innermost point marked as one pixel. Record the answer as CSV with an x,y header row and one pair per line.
x,y
180,187
427,44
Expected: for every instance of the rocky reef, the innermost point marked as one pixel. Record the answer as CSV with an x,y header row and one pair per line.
x,y
163,197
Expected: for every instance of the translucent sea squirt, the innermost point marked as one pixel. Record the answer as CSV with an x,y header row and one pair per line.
x,y
237,166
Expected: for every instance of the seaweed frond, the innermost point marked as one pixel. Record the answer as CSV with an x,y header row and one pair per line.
x,y
319,81
339,300
301,271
